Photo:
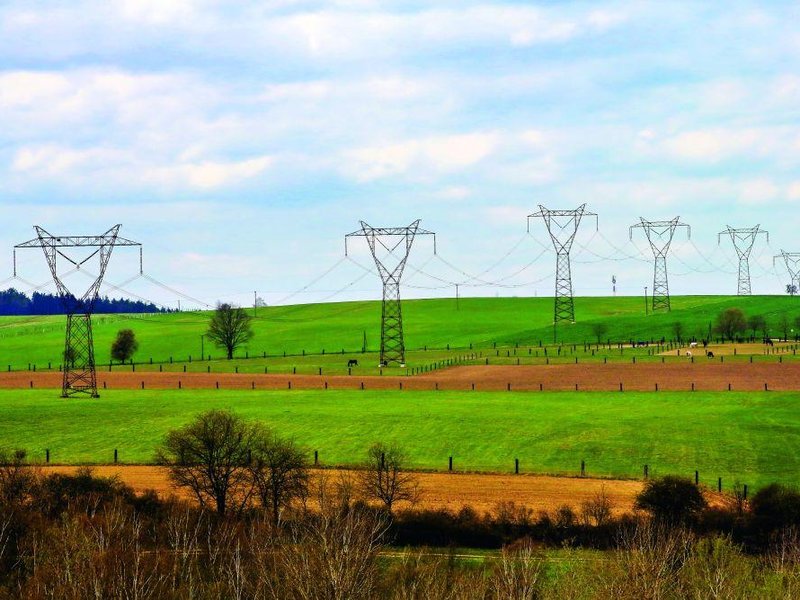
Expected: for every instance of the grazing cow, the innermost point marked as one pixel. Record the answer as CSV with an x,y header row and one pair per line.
x,y
709,354
352,362
688,354
693,345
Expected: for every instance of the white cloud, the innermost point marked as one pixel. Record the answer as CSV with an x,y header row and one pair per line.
x,y
715,145
304,30
208,175
438,154
454,192
157,12
77,166
758,191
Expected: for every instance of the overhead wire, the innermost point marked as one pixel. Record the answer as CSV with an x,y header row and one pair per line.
x,y
327,272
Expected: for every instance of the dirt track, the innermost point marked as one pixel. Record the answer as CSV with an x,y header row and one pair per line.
x,y
642,376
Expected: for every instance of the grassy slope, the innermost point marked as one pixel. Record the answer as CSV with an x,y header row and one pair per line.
x,y
732,435
432,323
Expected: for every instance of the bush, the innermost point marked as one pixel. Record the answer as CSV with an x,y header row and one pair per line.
x,y
124,346
671,499
775,507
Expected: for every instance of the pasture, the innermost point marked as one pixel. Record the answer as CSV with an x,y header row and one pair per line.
x,y
736,436
428,324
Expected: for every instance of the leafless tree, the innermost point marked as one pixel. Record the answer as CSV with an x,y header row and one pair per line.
x,y
230,327
279,470
648,562
17,477
209,456
519,573
332,554
383,477
597,510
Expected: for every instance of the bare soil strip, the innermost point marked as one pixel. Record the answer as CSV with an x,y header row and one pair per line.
x,y
700,375
453,491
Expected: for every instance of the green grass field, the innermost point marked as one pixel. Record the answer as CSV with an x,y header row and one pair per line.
x,y
749,437
428,323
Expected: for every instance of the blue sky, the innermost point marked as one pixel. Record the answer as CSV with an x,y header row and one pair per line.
x,y
241,144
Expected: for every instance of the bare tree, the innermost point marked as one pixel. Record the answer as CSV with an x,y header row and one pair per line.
x,y
383,477
230,327
279,470
209,456
597,509
520,572
332,554
17,478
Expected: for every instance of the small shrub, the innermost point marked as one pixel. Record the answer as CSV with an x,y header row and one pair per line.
x,y
671,499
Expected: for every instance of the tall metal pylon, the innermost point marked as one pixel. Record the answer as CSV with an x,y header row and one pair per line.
x,y
562,225
659,235
792,260
743,240
394,243
79,373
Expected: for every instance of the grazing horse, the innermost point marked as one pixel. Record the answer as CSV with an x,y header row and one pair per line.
x,y
352,363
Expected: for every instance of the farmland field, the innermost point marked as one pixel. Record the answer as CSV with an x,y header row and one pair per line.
x,y
480,322
737,436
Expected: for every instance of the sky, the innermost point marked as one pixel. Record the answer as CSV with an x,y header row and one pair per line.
x,y
240,142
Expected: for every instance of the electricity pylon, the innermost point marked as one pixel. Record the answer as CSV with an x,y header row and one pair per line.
x,y
387,241
792,260
743,240
79,374
562,225
659,235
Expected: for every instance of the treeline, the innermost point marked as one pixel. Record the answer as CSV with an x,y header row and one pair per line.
x,y
13,302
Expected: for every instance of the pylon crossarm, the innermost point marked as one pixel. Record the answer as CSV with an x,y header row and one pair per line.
x,y
396,242
792,261
79,375
562,226
743,240
659,235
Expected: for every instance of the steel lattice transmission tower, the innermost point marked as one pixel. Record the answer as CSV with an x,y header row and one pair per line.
x,y
743,240
660,234
562,225
792,260
394,243
79,376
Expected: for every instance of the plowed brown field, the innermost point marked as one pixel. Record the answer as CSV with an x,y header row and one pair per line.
x,y
440,490
452,491
642,376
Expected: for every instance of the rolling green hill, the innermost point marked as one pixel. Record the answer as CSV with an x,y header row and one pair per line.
x,y
431,323
741,436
